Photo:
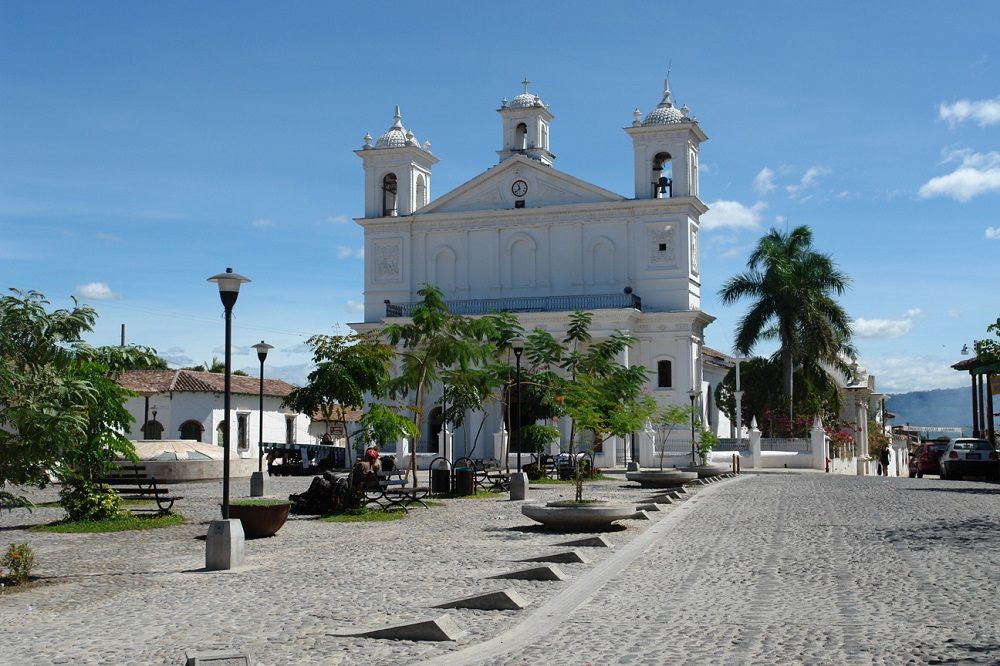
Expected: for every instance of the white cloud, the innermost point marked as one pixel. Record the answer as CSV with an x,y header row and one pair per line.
x,y
338,219
978,173
732,215
98,291
354,306
953,314
886,328
993,233
984,111
902,374
103,235
262,223
809,180
763,182
345,252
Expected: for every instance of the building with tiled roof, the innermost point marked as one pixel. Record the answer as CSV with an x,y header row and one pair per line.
x,y
188,405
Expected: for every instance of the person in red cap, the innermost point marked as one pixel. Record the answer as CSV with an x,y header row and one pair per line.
x,y
372,457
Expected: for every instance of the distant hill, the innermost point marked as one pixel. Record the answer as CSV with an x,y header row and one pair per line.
x,y
939,408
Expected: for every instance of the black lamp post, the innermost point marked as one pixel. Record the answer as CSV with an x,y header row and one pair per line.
x,y
156,433
262,349
229,290
518,348
693,394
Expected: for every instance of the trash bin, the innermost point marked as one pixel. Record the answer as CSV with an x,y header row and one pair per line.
x,y
465,480
441,481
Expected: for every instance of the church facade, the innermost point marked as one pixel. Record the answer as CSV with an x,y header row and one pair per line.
x,y
528,238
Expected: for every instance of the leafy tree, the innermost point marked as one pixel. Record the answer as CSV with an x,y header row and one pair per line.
x,y
792,288
348,367
667,419
217,366
61,410
432,341
818,395
989,350
599,394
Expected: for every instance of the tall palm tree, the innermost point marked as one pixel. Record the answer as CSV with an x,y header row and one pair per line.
x,y
792,287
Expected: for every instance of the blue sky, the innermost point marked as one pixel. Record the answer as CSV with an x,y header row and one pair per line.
x,y
147,146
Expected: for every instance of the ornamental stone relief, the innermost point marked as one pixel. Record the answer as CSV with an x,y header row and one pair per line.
x,y
694,250
661,246
387,260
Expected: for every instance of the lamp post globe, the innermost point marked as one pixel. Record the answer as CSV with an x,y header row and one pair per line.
x,y
262,349
229,284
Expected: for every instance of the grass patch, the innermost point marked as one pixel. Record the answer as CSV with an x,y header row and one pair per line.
x,y
120,524
258,501
479,494
561,482
56,504
364,516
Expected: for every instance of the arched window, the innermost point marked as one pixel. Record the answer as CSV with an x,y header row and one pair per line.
x,y
220,433
192,430
708,407
662,176
421,190
664,374
434,425
389,190
444,270
522,262
521,137
152,430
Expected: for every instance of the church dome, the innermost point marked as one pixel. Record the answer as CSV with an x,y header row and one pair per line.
x,y
664,114
396,136
526,100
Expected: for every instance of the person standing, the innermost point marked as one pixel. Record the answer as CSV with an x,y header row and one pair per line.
x,y
883,460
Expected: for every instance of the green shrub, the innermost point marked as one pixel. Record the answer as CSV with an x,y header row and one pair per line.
x,y
90,501
18,561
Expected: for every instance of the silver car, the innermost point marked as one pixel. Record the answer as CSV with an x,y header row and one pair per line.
x,y
966,456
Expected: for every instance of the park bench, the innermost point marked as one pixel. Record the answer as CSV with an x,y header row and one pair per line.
x,y
389,490
132,483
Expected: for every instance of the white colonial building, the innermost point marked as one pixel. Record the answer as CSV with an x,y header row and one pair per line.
x,y
528,238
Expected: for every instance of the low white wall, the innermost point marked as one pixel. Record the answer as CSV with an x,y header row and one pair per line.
x,y
176,471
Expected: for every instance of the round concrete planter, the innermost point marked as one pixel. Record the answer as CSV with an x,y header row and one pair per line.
x,y
574,517
704,471
260,520
668,478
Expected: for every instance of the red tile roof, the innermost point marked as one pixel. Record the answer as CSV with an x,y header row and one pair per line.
x,y
148,382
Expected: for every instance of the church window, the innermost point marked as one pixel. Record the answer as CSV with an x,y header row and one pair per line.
x,y
662,176
545,136
152,430
421,191
664,374
242,431
662,247
434,427
289,430
389,189
521,137
191,430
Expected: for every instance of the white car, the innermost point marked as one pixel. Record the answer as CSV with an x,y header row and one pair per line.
x,y
967,456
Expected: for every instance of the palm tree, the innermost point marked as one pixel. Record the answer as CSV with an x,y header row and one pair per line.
x,y
792,287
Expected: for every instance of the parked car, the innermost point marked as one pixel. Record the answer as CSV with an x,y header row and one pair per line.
x,y
966,456
925,460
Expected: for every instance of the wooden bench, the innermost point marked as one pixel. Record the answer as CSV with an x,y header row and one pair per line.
x,y
392,491
132,483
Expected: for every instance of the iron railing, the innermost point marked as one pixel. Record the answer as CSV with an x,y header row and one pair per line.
x,y
527,304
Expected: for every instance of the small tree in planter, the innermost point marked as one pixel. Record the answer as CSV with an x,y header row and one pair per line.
x,y
666,420
707,441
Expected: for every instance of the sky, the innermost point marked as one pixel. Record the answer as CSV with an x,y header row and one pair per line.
x,y
147,146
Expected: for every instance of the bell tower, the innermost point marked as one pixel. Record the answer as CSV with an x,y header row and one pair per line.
x,y
526,120
397,172
666,146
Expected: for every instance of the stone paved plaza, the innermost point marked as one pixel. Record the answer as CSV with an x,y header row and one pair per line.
x,y
772,568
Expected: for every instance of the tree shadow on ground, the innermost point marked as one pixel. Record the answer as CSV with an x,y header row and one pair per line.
x,y
971,532
964,491
968,653
543,529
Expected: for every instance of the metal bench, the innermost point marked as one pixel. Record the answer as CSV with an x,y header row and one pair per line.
x,y
392,492
132,483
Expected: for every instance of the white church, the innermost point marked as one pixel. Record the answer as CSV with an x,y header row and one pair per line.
x,y
530,239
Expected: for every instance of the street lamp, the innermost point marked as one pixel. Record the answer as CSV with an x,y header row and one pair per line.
x,y
693,394
739,405
156,433
229,290
518,349
262,349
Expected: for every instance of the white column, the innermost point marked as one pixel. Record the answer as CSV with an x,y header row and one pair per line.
x,y
446,443
403,453
817,442
500,447
755,458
